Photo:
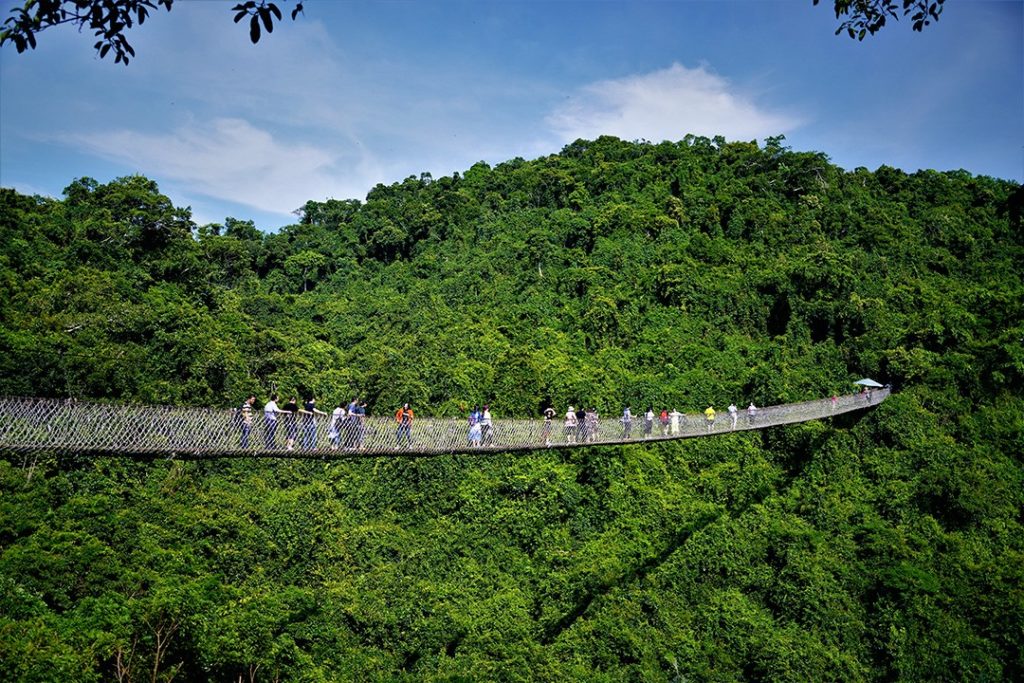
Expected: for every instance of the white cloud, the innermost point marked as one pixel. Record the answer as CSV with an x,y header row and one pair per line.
x,y
230,159
666,105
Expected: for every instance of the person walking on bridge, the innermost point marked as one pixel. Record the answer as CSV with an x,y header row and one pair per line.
x,y
592,424
361,425
486,426
337,425
570,425
549,415
270,413
474,435
627,422
674,421
404,419
734,414
474,421
291,423
309,427
709,417
352,423
246,420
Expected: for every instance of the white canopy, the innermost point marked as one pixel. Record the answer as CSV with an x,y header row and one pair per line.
x,y
869,383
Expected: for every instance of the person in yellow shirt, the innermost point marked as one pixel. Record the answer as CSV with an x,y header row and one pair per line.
x,y
709,417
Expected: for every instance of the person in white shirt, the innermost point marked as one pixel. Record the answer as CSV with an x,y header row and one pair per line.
x,y
734,414
570,425
270,413
337,420
486,426
674,421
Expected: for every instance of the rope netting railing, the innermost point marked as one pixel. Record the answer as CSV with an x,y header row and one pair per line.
x,y
81,427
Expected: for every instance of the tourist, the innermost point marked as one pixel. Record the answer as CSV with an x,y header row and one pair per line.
x,y
404,419
709,418
734,414
627,422
309,426
337,426
270,413
474,420
674,421
751,413
352,423
549,415
648,422
245,417
291,424
486,426
590,417
361,425
570,425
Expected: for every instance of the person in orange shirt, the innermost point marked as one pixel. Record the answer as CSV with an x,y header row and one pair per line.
x,y
404,419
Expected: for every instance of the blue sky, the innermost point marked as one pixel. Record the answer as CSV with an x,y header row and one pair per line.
x,y
357,93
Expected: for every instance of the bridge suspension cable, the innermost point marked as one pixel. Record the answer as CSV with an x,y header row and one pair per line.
x,y
93,428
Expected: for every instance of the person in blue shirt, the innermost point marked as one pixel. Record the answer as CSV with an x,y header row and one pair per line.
x,y
627,423
352,423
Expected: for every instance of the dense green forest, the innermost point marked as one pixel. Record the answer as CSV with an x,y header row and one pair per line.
x,y
882,545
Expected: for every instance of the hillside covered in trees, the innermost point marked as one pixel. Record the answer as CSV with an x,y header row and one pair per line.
x,y
885,545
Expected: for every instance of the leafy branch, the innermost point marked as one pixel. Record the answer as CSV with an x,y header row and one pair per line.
x,y
869,16
109,20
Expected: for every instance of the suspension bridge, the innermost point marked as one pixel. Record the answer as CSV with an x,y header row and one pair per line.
x,y
32,425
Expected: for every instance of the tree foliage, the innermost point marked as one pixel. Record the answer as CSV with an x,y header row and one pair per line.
x,y
882,545
864,17
109,20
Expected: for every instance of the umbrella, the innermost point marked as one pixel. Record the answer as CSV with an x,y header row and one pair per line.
x,y
869,383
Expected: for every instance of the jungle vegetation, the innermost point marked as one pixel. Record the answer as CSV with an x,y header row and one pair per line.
x,y
882,545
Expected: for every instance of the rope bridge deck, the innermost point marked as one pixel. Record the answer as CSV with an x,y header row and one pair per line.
x,y
88,428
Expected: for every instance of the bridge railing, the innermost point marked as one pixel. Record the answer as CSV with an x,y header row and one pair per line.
x,y
28,424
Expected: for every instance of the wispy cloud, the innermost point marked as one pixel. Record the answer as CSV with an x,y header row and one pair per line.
x,y
231,159
297,119
666,105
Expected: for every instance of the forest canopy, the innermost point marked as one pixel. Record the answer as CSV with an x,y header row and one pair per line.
x,y
883,545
